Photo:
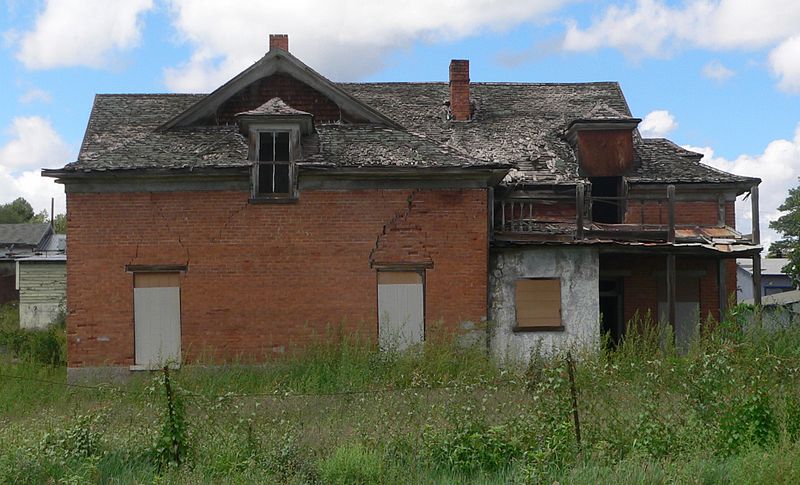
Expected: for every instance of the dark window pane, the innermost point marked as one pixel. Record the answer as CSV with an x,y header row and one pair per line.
x,y
265,152
265,178
282,147
281,178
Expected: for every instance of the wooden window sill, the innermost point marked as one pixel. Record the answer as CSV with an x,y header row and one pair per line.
x,y
550,328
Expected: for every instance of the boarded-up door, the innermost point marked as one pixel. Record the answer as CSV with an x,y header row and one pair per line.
x,y
157,319
687,308
401,301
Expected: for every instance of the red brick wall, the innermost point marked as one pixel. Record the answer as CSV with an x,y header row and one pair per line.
x,y
295,93
702,213
641,287
262,277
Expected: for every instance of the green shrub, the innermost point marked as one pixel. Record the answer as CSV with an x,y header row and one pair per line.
x,y
352,464
749,423
44,346
473,446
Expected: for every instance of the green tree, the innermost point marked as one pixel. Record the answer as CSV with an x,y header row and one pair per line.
x,y
16,212
20,211
789,226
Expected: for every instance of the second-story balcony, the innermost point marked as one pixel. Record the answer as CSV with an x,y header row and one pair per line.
x,y
574,215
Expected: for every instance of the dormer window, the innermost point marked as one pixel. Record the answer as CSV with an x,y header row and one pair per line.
x,y
273,170
274,130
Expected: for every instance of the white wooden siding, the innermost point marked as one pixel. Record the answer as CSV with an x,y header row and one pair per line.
x,y
401,322
42,282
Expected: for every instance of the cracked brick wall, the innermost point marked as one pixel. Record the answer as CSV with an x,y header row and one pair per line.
x,y
265,278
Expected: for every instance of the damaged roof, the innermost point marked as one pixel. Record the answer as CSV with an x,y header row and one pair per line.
x,y
518,125
24,234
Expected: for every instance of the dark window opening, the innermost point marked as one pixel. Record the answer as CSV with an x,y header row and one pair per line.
x,y
612,324
605,208
274,171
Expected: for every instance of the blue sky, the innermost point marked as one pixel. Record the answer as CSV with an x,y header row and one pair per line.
x,y
722,77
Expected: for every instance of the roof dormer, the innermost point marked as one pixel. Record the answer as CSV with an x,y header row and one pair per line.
x,y
274,131
603,142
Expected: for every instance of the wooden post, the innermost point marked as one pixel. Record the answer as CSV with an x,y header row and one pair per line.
x,y
723,289
491,208
579,207
671,290
721,222
756,224
671,213
757,281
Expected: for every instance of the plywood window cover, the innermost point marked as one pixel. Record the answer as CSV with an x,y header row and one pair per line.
x,y
156,280
399,277
530,294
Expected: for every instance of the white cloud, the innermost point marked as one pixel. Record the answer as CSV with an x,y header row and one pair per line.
x,y
33,144
655,28
717,71
778,167
785,63
345,40
35,94
81,33
657,124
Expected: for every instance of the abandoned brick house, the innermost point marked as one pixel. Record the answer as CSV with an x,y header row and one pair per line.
x,y
245,222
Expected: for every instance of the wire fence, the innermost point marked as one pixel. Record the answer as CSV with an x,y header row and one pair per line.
x,y
276,394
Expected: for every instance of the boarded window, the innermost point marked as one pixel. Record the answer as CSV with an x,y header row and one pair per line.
x,y
157,319
538,304
401,309
687,306
274,171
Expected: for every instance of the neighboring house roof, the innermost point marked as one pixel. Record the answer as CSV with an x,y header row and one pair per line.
x,y
28,235
513,124
769,266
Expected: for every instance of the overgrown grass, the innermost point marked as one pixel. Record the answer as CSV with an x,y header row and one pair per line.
x,y
45,346
726,411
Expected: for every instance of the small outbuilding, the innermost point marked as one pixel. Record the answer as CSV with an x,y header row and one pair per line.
x,y
41,280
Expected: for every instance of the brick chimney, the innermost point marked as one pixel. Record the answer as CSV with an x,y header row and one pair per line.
x,y
460,107
279,41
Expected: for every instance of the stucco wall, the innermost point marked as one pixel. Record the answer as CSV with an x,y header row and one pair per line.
x,y
578,269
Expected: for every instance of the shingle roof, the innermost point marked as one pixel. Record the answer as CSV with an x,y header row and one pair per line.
x,y
513,123
22,235
336,145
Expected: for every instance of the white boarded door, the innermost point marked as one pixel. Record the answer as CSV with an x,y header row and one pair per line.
x,y
157,319
401,301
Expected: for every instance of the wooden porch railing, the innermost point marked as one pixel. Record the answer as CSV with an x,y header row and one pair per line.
x,y
530,216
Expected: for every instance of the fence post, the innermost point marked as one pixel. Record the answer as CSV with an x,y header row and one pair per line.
x,y
574,391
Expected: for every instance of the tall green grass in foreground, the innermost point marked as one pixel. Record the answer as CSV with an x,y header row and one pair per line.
x,y
728,411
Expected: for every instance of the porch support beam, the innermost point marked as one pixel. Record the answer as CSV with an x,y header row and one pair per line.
x,y
671,290
757,281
